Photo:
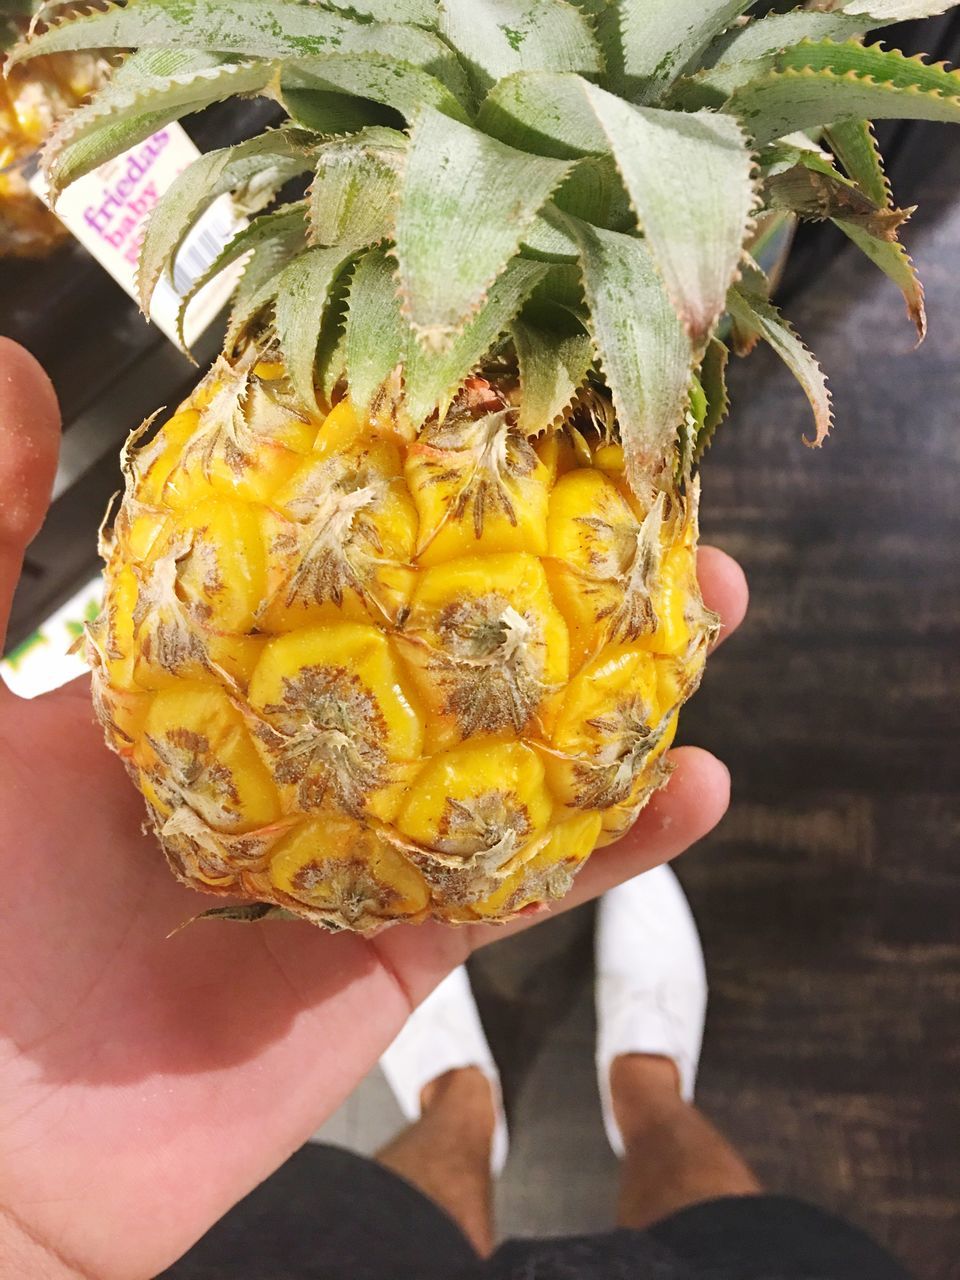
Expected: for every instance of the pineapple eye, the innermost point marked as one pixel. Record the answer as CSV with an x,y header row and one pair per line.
x,y
486,645
334,719
222,571
605,561
483,806
342,871
209,760
477,482
610,728
549,874
342,539
244,441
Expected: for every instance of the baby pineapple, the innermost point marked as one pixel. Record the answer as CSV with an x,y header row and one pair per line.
x,y
335,663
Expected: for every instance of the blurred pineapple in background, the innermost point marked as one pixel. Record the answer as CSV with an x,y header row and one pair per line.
x,y
33,98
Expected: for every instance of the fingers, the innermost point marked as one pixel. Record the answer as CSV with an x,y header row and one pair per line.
x,y
29,445
724,588
677,817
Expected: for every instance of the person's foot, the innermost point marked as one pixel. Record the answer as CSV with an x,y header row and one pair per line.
x,y
444,1035
651,986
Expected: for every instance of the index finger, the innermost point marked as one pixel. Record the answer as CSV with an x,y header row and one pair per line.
x,y
29,447
724,588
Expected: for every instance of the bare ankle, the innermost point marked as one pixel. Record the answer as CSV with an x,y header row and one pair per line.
x,y
464,1098
446,1153
645,1089
674,1155
656,1074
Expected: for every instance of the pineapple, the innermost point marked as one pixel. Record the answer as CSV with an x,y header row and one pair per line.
x,y
369,673
32,99
401,604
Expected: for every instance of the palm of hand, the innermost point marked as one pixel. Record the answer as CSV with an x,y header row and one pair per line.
x,y
148,1081
143,1071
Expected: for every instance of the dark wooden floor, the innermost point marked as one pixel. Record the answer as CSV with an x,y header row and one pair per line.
x,y
830,899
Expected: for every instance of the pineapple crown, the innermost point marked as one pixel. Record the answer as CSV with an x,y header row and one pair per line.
x,y
583,185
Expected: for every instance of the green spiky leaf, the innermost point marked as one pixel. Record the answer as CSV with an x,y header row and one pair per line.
x,y
499,37
466,201
304,290
854,144
658,39
594,192
543,112
285,227
331,115
401,86
758,316
894,261
431,380
148,91
553,367
376,336
779,31
820,84
561,286
548,238
257,286
354,188
420,13
885,66
331,359
644,351
897,10
713,382
379,341
255,169
689,178
271,29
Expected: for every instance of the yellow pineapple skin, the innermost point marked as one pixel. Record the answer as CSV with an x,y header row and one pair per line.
x,y
367,678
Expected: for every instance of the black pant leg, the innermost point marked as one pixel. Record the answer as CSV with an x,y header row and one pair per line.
x,y
328,1214
776,1237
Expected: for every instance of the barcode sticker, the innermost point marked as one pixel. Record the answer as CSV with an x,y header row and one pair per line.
x,y
107,211
198,252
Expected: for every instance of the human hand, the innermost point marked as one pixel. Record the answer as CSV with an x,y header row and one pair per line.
x,y
148,1082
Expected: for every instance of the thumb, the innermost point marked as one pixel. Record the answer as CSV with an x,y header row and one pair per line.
x,y
29,446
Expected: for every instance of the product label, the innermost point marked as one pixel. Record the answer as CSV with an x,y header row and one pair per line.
x,y
107,212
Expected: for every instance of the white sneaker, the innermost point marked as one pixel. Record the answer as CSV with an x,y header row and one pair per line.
x,y
651,984
441,1035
